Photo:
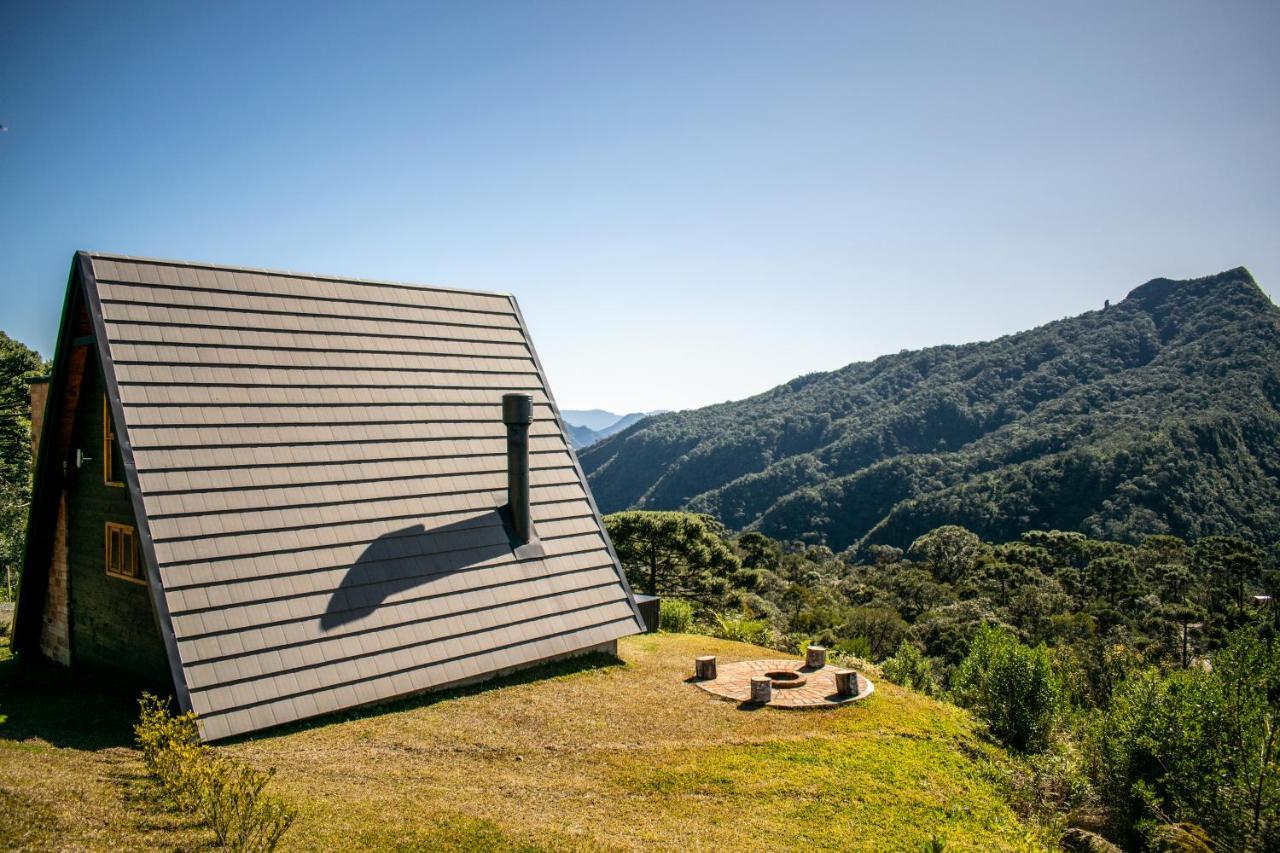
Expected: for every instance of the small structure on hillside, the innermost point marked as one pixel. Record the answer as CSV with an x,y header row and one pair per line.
x,y
289,495
782,683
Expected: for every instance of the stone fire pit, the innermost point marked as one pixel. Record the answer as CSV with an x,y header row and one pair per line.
x,y
785,679
787,683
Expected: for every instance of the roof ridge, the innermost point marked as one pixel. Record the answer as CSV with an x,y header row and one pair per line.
x,y
401,285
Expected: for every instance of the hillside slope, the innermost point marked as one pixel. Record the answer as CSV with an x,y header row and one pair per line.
x,y
589,755
1156,415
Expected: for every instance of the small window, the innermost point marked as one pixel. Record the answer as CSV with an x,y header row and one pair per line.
x,y
122,553
110,448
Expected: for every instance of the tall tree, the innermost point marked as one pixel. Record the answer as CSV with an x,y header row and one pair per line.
x,y
951,551
672,553
18,363
1229,565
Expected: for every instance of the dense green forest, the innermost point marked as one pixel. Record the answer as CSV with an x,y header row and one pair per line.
x,y
1140,682
1156,415
18,363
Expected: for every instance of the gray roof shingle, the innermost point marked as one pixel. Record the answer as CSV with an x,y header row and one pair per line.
x,y
320,462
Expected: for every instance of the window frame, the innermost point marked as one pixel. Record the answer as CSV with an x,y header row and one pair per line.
x,y
129,537
110,442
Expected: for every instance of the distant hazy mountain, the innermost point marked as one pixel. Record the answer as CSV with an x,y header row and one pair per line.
x,y
1157,414
592,419
580,436
582,433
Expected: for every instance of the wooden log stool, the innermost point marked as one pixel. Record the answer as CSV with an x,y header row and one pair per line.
x,y
761,689
815,657
846,682
705,667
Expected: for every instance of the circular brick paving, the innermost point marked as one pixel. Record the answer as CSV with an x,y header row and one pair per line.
x,y
733,681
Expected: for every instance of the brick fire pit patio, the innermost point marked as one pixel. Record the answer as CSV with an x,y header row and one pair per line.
x,y
790,683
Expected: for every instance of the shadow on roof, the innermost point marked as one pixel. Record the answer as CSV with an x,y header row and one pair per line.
x,y
410,557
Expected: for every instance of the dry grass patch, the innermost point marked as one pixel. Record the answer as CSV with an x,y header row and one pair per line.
x,y
68,777
595,754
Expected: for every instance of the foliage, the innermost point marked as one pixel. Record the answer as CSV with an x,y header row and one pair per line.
x,y
675,615
735,627
1197,746
1156,416
672,553
1011,687
226,793
881,627
1072,650
952,552
1084,841
18,363
910,669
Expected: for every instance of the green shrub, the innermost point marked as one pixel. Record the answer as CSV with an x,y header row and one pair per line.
x,y
1013,688
242,816
225,793
735,627
857,647
908,668
1184,753
675,615
171,750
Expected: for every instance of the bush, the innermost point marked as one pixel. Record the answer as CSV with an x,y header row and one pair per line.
x,y
908,668
882,627
227,794
1186,751
856,647
675,615
1013,688
744,630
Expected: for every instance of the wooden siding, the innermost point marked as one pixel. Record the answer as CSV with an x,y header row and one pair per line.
x,y
112,623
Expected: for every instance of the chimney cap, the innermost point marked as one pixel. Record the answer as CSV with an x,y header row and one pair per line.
x,y
517,409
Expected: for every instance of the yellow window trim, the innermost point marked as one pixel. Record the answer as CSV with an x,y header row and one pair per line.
x,y
108,445
125,531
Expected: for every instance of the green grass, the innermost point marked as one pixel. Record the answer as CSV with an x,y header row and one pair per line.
x,y
593,754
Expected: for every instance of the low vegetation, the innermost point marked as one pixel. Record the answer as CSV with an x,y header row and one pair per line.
x,y
675,616
1012,687
581,755
1079,655
227,794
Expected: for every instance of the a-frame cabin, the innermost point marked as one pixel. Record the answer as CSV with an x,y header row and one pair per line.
x,y
289,495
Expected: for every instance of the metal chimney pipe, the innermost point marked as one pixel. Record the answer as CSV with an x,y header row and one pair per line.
x,y
517,414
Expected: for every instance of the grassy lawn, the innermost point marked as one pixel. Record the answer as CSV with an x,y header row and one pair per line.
x,y
584,755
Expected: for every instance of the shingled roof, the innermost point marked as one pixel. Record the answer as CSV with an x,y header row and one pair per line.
x,y
316,466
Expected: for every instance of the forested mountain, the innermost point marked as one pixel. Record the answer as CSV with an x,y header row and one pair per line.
x,y
1155,415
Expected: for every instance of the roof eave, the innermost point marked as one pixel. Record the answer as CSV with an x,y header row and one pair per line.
x,y
155,587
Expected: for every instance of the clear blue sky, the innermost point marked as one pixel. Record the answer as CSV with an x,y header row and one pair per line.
x,y
692,201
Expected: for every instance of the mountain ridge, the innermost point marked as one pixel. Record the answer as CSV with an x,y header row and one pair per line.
x,y
582,434
1026,429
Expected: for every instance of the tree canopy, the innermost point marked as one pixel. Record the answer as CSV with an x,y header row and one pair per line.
x,y
672,553
18,363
